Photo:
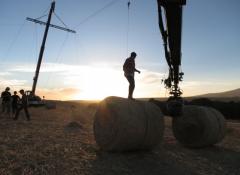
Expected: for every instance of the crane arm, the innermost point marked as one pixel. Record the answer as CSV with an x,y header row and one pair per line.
x,y
171,30
170,25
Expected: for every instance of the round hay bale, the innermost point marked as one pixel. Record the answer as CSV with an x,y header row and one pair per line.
x,y
199,126
221,124
123,125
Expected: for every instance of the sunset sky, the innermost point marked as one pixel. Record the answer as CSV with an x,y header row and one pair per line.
x,y
88,65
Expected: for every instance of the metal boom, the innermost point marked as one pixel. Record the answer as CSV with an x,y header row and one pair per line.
x,y
171,31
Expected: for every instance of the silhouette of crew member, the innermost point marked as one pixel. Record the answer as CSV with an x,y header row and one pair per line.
x,y
129,70
24,106
15,100
6,100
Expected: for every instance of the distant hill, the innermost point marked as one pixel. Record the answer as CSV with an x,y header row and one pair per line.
x,y
227,94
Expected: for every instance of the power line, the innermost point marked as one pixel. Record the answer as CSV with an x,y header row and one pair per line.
x,y
97,12
58,58
36,46
14,41
44,13
40,17
60,19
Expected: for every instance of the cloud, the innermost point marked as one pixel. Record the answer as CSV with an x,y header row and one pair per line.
x,y
12,82
98,81
150,77
45,67
15,85
91,81
5,73
58,94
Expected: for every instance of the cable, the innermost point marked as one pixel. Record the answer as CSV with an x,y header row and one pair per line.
x,y
44,13
75,40
29,53
36,49
60,19
40,17
58,56
13,41
128,26
97,12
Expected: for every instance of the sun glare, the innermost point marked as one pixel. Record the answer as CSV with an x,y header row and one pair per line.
x,y
98,83
95,82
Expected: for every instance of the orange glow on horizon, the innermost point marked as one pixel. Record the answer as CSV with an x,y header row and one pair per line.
x,y
100,81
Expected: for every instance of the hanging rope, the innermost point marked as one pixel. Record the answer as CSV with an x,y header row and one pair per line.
x,y
128,25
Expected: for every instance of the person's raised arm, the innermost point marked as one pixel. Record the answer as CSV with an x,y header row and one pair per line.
x,y
137,71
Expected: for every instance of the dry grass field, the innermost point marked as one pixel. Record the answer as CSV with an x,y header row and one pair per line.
x,y
60,142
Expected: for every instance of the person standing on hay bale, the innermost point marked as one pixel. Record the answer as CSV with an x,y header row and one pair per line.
x,y
129,70
24,106
15,101
6,100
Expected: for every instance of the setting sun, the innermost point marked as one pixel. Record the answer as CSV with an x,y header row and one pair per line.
x,y
100,82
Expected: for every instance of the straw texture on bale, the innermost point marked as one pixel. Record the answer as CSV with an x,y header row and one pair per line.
x,y
199,126
123,125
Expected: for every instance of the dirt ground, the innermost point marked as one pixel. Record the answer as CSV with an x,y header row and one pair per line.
x,y
60,142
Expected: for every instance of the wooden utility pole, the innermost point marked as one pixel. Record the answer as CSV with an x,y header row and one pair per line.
x,y
48,24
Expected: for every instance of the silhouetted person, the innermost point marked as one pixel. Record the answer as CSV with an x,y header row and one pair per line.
x,y
15,101
24,106
6,100
129,70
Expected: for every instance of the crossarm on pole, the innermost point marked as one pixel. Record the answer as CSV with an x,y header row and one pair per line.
x,y
51,25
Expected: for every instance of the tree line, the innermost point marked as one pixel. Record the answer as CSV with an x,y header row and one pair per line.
x,y
230,109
